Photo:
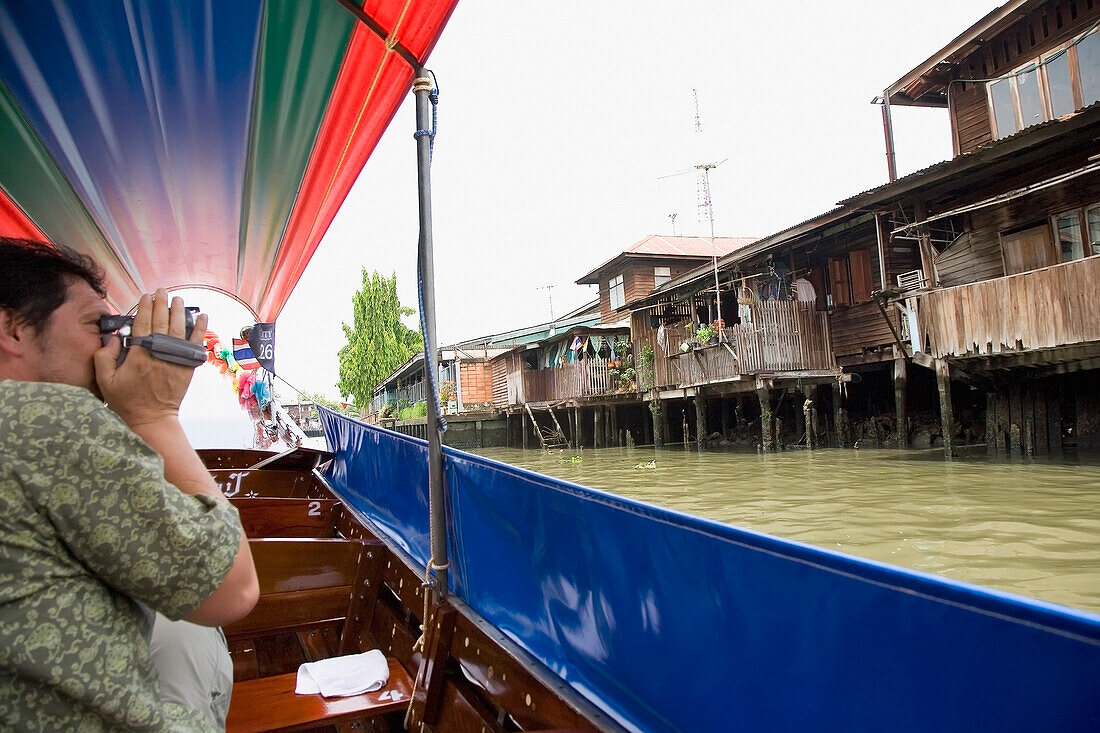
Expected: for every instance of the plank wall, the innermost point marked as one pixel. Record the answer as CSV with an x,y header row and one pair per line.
x,y
638,280
1042,30
978,256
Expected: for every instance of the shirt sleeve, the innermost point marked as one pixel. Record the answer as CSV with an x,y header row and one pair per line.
x,y
104,491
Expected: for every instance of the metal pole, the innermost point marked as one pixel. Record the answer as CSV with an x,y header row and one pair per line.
x,y
888,131
713,250
422,86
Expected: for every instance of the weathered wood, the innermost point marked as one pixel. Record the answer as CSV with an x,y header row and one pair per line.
x,y
1040,309
947,414
900,397
990,422
700,419
767,420
1054,419
1016,420
598,431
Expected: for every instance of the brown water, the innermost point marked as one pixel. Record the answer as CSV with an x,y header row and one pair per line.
x,y
1028,527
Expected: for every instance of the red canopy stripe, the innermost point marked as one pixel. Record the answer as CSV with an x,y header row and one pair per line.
x,y
352,125
14,222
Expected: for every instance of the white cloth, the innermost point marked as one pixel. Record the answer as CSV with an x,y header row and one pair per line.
x,y
353,674
804,290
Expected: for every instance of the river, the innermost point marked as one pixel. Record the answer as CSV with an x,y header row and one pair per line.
x,y
1030,527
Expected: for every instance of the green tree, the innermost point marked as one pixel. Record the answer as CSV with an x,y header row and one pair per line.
x,y
377,341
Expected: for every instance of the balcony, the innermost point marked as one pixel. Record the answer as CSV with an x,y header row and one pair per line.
x,y
1043,309
581,379
784,336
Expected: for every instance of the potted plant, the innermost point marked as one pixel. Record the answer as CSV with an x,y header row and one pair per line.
x,y
705,335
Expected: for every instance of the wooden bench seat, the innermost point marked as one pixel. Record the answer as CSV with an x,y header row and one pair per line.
x,y
269,704
281,517
268,483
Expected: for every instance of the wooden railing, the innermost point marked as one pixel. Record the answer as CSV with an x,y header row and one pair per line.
x,y
785,336
585,378
1042,309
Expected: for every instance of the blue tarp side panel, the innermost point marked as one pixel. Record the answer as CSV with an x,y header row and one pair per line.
x,y
384,474
674,623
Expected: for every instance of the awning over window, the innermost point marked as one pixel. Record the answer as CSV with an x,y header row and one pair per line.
x,y
197,142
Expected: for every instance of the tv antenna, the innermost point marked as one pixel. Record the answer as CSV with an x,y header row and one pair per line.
x,y
673,216
548,288
706,205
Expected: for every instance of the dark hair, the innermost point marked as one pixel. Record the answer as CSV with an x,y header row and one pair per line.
x,y
34,278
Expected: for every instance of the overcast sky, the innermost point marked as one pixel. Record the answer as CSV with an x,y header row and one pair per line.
x,y
559,122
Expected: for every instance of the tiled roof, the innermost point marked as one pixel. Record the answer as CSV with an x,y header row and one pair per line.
x,y
656,244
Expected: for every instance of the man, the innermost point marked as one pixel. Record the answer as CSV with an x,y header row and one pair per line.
x,y
105,511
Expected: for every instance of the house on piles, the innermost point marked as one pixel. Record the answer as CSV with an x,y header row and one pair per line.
x,y
465,388
965,289
1001,302
766,368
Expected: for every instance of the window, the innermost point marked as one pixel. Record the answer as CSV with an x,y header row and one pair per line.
x,y
1068,227
851,278
1047,88
1078,232
1092,217
617,294
661,275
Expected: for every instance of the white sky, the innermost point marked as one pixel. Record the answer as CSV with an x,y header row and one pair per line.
x,y
557,121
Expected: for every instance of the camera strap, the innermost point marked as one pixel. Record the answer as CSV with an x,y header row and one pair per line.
x,y
172,349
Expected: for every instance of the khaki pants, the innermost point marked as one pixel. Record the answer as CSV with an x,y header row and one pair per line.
x,y
194,666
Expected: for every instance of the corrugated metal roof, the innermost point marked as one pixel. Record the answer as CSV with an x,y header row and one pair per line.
x,y
656,245
977,156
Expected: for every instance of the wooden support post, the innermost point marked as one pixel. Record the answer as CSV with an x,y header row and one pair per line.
x,y
700,419
613,424
739,413
767,420
725,418
577,437
1002,421
598,432
990,422
1054,419
947,414
808,419
1027,408
523,429
840,420
658,419
799,416
1016,426
900,381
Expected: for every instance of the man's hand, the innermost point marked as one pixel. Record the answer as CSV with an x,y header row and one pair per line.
x,y
144,389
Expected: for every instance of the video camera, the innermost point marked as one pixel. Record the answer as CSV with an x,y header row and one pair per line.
x,y
160,345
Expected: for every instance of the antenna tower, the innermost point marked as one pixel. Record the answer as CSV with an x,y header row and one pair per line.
x,y
548,288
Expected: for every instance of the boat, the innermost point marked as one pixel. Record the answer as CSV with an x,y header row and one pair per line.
x,y
210,144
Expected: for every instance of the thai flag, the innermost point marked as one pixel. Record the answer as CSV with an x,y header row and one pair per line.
x,y
242,352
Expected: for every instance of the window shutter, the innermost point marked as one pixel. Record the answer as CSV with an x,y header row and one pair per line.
x,y
838,281
862,279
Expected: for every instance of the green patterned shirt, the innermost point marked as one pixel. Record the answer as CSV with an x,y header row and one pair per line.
x,y
88,525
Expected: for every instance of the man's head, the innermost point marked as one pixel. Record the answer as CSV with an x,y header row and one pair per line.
x,y
50,303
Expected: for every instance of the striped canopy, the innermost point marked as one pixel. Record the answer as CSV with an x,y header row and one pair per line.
x,y
197,142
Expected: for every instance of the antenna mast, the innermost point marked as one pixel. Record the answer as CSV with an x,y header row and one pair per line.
x,y
549,288
707,205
